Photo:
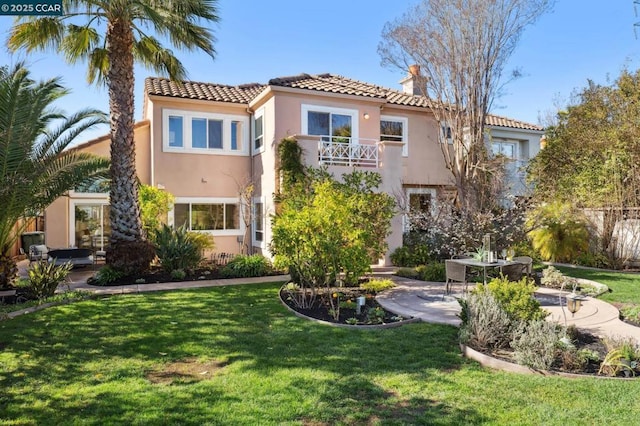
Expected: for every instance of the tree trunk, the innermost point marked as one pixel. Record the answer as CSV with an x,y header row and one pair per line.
x,y
125,209
128,251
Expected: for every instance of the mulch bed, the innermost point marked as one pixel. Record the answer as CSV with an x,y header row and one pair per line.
x,y
346,297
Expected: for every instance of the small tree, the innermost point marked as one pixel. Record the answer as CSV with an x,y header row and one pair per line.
x,y
320,233
154,205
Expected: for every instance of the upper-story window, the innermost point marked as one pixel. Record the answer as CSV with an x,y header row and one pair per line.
x,y
198,132
333,124
445,133
394,129
258,131
507,149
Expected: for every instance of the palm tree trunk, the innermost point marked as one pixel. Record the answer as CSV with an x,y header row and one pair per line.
x,y
125,210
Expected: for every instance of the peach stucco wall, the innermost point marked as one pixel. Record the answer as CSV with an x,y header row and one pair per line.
x,y
57,232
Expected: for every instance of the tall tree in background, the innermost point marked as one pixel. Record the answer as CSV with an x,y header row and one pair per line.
x,y
110,35
461,48
35,168
592,160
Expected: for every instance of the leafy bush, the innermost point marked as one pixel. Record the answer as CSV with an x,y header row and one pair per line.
x,y
553,278
408,273
44,278
485,324
593,260
535,344
176,249
319,234
178,274
106,275
247,266
559,233
411,255
202,240
516,298
434,271
623,356
155,203
377,285
130,257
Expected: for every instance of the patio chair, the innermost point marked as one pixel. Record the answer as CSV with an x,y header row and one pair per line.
x,y
527,261
513,272
38,252
454,272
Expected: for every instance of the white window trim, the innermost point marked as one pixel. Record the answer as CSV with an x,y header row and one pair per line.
x,y
306,108
261,244
408,192
102,201
405,130
516,147
187,148
259,113
205,200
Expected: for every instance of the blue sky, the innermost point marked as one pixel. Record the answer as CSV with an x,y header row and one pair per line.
x,y
259,40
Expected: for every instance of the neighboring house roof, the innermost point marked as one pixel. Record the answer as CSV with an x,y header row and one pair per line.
x,y
328,83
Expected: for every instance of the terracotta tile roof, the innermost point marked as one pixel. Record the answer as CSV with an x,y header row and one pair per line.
x,y
329,83
496,120
204,91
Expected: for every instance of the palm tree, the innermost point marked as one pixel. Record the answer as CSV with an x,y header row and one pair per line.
x,y
35,169
78,35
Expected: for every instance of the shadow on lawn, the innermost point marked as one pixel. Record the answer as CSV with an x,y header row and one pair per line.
x,y
108,345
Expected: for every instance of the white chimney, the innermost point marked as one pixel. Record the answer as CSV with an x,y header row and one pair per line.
x,y
411,83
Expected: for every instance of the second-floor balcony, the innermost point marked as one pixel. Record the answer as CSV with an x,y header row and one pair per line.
x,y
347,151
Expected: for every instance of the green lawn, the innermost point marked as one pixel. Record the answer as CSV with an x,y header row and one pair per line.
x,y
624,286
88,363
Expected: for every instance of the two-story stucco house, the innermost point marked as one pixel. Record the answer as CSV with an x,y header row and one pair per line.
x,y
203,142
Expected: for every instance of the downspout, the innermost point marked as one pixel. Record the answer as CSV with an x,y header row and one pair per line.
x,y
249,232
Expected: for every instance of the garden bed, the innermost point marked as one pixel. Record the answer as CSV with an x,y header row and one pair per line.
x,y
371,313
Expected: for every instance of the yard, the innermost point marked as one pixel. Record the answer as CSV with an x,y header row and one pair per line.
x,y
234,355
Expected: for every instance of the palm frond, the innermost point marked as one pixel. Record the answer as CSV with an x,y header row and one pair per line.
x,y
79,42
34,168
33,34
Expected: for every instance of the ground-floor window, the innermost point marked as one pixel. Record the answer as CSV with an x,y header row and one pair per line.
x,y
92,227
258,222
207,216
419,205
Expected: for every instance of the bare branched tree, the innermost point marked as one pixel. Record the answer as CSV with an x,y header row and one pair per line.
x,y
461,48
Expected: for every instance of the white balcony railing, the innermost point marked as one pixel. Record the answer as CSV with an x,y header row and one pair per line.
x,y
343,151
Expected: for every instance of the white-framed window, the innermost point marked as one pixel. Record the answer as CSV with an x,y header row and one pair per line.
x,y
258,131
205,133
258,223
507,149
419,202
333,124
445,133
395,129
218,216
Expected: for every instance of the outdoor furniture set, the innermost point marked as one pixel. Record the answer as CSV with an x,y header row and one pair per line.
x,y
456,269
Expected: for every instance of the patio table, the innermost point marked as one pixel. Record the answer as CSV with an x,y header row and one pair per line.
x,y
484,265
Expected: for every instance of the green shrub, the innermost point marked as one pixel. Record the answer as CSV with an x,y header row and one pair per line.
x,y
516,298
178,274
535,344
176,249
377,285
202,240
414,255
553,278
247,266
44,278
407,273
434,271
106,275
559,233
593,260
485,324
